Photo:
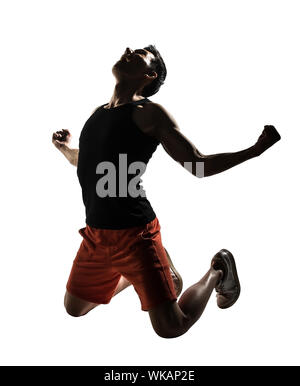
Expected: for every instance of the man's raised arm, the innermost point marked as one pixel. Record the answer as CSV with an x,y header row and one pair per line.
x,y
157,122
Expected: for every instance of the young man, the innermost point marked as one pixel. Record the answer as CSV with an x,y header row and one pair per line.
x,y
122,241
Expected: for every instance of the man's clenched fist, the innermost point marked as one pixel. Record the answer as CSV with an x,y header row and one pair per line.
x,y
61,138
268,137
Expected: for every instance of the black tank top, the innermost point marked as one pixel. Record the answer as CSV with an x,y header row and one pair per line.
x,y
105,135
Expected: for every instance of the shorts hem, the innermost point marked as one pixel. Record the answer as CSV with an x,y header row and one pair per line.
x,y
86,299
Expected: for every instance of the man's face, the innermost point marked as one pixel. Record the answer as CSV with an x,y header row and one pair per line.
x,y
133,63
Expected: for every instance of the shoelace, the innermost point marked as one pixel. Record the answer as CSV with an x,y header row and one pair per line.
x,y
222,290
220,287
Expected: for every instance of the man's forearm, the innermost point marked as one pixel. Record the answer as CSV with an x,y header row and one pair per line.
x,y
70,154
218,163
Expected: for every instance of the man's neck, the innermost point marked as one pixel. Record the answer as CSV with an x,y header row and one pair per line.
x,y
122,94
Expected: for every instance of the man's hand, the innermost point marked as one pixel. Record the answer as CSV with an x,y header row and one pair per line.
x,y
268,137
61,139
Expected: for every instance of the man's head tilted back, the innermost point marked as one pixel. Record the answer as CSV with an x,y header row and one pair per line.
x,y
143,67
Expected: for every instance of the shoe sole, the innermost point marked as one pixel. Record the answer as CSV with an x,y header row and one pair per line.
x,y
235,275
176,273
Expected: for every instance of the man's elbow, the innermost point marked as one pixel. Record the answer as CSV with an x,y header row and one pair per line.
x,y
198,167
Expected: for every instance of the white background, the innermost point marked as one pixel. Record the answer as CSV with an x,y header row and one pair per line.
x,y
233,66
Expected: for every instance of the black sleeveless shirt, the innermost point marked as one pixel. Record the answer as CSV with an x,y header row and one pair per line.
x,y
105,135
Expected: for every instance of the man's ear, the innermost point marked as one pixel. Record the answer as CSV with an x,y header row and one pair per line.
x,y
152,76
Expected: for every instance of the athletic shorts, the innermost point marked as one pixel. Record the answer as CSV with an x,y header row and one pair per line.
x,y
136,253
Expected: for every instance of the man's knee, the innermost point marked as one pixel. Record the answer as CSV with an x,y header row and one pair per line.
x,y
69,306
77,307
167,334
72,309
74,312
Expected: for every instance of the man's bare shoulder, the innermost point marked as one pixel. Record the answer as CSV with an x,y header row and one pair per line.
x,y
151,110
150,117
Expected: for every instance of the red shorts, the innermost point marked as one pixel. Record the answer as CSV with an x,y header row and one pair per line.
x,y
136,253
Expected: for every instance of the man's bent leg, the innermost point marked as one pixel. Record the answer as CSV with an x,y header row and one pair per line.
x,y
76,306
79,307
172,319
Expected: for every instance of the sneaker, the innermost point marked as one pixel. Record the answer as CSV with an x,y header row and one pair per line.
x,y
228,288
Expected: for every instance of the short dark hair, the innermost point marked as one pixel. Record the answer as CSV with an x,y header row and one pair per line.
x,y
158,65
